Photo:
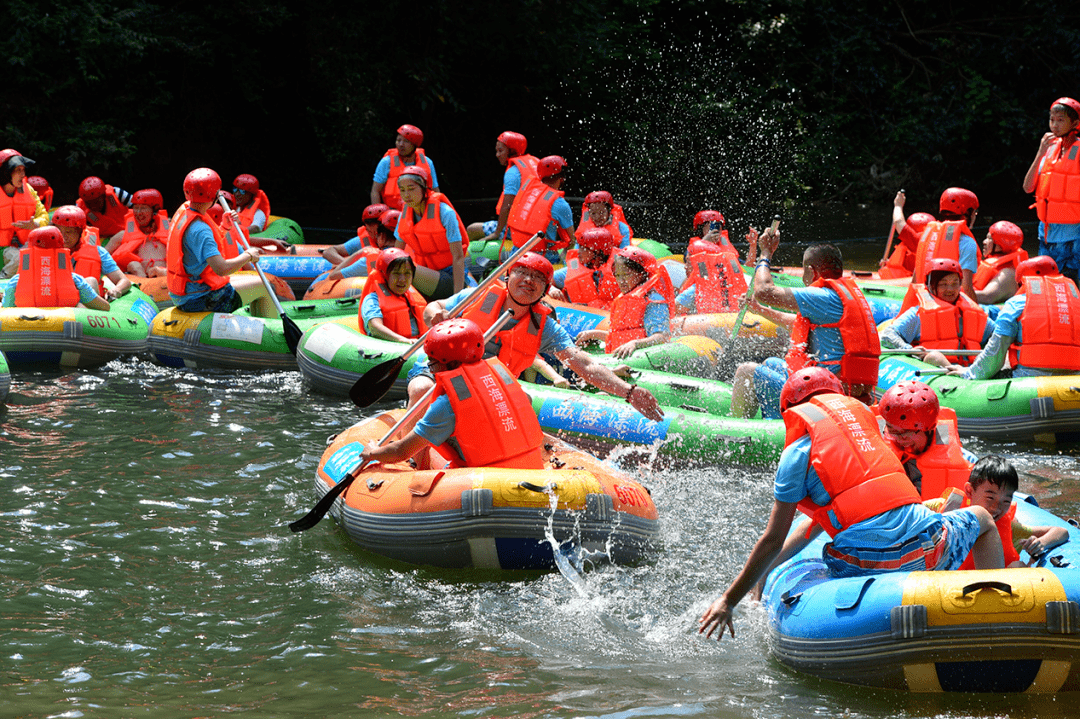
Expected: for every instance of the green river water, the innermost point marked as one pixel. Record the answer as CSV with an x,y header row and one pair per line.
x,y
147,570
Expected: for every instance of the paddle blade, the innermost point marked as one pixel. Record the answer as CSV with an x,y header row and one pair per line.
x,y
293,333
319,511
376,382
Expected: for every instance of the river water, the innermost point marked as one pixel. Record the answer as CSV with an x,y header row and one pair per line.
x,y
147,570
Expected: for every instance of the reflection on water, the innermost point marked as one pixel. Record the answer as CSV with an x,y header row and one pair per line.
x,y
147,567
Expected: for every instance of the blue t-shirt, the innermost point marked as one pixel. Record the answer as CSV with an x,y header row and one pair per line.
x,y
108,264
382,171
86,292
511,179
657,317
437,424
1057,233
199,247
822,306
1007,330
561,216
686,298
258,221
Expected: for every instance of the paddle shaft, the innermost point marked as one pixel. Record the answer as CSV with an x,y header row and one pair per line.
x,y
319,511
892,231
750,290
242,239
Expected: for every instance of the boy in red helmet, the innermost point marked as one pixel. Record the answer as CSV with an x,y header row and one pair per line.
x,y
106,207
1003,250
601,211
252,204
1054,177
951,238
141,249
406,151
365,235
540,207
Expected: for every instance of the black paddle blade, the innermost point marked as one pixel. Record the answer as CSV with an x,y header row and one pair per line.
x,y
319,511
293,333
376,382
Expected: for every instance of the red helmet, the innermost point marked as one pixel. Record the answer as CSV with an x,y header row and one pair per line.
x,y
919,221
806,383
515,141
910,405
599,240
149,197
91,188
1067,102
701,247
69,216
958,201
247,183
417,171
550,166
390,254
229,198
600,196
373,212
216,213
707,216
1036,267
412,133
7,154
389,219
1007,236
48,237
537,263
639,257
202,185
39,183
943,264
456,340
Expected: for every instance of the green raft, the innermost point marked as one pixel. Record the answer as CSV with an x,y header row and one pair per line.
x,y
282,228
333,357
252,338
5,378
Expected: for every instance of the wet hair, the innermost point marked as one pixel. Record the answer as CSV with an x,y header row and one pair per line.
x,y
996,470
826,258
9,167
1071,113
394,264
933,278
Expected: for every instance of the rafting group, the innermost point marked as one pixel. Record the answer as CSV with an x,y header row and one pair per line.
x,y
483,337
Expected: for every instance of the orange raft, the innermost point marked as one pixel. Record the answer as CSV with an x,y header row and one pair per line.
x,y
488,517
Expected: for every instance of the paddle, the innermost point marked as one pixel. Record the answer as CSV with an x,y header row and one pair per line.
x,y
888,244
292,332
374,383
319,511
749,295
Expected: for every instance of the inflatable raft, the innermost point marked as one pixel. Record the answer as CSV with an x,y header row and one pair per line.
x,y
74,336
488,517
246,283
298,271
282,228
5,378
1042,408
1003,630
252,338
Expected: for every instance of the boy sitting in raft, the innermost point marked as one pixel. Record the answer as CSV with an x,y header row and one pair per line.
x,y
901,263
837,468
951,238
501,427
391,307
991,486
1003,250
365,235
641,314
362,261
47,280
588,278
141,249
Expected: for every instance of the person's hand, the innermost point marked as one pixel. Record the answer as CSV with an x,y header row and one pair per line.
x,y
717,615
900,199
712,236
439,316
24,225
1033,546
253,252
556,294
157,272
882,262
752,236
642,400
770,241
625,350
1045,143
955,369
561,383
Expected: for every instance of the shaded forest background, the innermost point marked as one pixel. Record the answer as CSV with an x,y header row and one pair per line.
x,y
743,106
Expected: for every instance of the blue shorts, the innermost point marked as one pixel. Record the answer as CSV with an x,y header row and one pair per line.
x,y
769,379
1063,246
223,299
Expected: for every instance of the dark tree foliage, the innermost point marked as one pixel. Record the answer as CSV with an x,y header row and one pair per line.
x,y
747,106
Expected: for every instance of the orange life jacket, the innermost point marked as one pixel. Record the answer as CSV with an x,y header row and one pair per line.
x,y
943,326
724,243
426,239
718,281
18,208
531,211
526,165
496,425
580,286
627,320
134,238
942,465
612,227
177,278
391,195
247,215
46,198
1004,527
112,220
230,244
940,239
366,240
617,216
1050,324
859,365
397,310
1057,192
901,262
45,278
856,466
86,260
370,255
994,264
519,344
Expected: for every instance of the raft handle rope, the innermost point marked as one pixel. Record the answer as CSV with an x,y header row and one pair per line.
x,y
547,488
977,586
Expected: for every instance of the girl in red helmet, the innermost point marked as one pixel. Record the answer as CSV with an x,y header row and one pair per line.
x,y
937,316
641,314
1003,250
600,210
405,152
391,307
520,168
1054,177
